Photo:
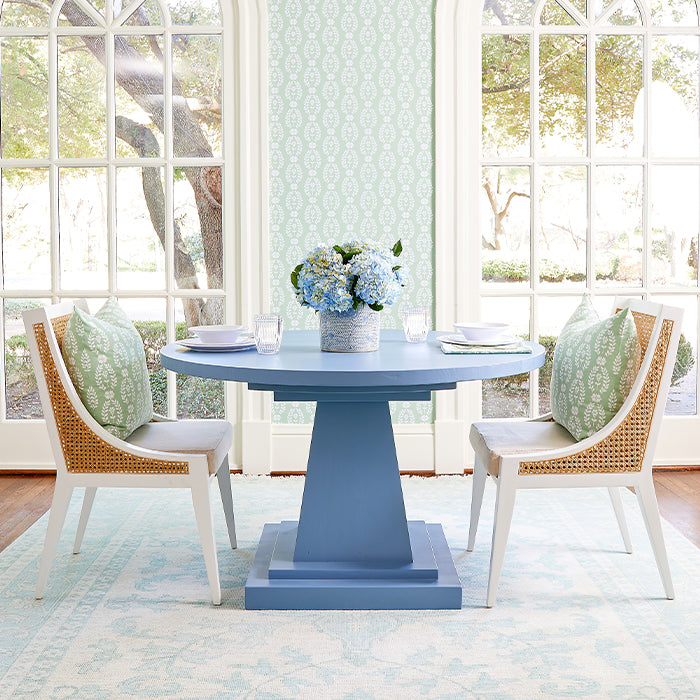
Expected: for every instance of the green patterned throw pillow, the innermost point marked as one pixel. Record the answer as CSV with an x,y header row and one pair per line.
x,y
595,364
106,361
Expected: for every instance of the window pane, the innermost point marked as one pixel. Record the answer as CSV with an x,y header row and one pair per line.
x,y
197,95
563,202
197,199
674,223
682,395
506,95
81,98
554,13
148,316
197,397
505,239
23,98
26,248
140,224
148,13
507,12
618,85
626,15
507,397
82,219
619,241
674,12
203,12
22,394
139,96
15,14
562,107
674,96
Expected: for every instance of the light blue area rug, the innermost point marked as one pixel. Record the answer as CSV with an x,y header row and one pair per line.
x,y
129,618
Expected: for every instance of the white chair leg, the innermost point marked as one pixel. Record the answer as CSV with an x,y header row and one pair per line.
x,y
478,483
224,478
205,524
616,499
59,507
88,500
505,501
650,510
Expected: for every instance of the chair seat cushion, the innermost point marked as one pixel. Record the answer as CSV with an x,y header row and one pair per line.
x,y
493,439
210,437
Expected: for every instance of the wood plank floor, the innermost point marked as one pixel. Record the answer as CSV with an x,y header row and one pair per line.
x,y
25,498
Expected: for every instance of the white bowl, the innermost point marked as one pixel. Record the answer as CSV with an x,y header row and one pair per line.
x,y
482,332
217,334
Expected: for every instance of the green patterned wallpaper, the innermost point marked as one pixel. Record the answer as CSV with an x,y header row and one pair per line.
x,y
351,146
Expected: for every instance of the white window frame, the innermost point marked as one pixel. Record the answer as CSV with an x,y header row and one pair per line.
x,y
458,181
24,443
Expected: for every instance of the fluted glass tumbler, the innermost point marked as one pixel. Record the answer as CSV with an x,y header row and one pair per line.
x,y
267,331
416,323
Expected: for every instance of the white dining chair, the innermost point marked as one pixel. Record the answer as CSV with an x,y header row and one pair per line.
x,y
162,454
542,454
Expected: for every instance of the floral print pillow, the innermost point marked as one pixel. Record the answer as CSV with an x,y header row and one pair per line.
x,y
106,361
595,364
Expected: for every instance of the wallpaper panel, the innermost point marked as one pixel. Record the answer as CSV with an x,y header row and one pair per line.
x,y
351,146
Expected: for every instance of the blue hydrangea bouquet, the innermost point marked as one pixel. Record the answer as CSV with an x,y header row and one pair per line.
x,y
348,284
342,277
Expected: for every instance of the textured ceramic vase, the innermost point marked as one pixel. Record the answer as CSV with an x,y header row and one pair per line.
x,y
350,331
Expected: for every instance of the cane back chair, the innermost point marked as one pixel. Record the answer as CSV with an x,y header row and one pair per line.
x,y
162,453
540,453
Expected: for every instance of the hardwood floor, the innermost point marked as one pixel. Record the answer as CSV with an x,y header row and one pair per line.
x,y
25,498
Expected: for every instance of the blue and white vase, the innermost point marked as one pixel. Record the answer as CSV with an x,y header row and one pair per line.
x,y
350,331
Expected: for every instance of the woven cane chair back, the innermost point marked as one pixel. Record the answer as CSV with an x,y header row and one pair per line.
x,y
83,449
625,447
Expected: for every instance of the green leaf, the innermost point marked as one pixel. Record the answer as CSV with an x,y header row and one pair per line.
x,y
395,268
396,250
295,275
356,303
375,307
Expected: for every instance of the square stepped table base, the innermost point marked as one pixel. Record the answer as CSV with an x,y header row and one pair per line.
x,y
277,582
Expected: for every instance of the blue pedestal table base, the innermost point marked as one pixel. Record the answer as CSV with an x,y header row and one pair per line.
x,y
352,547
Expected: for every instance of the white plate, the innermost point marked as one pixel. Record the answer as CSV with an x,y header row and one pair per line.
x,y
196,344
459,339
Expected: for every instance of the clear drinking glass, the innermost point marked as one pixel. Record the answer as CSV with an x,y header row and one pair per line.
x,y
267,329
416,323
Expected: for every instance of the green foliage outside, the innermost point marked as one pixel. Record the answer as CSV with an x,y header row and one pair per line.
x,y
197,397
518,270
516,388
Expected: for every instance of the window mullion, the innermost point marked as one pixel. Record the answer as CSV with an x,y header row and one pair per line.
x,y
169,209
534,150
53,167
646,170
110,112
590,147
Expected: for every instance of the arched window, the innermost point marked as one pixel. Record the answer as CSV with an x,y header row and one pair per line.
x,y
590,170
568,160
116,122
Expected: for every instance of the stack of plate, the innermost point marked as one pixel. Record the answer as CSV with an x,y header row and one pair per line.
x,y
219,339
482,334
459,339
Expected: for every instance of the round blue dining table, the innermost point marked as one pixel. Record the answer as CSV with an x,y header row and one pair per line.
x,y
352,547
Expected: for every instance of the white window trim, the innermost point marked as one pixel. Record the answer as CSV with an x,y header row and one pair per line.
x,y
457,240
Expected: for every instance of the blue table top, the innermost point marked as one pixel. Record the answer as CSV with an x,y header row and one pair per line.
x,y
300,363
